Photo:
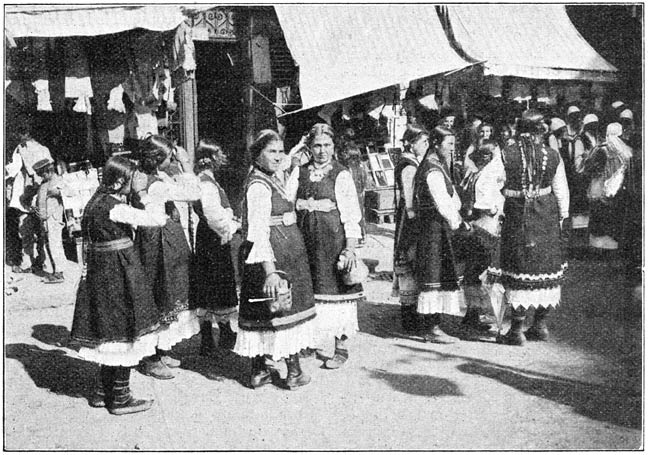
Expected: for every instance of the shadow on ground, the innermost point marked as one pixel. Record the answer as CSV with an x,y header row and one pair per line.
x,y
219,365
607,404
417,384
54,370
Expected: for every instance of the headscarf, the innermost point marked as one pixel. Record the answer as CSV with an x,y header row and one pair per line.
x,y
615,143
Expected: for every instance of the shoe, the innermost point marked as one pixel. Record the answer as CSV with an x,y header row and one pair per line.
x,y
16,269
97,399
296,377
472,321
436,335
131,406
53,279
156,369
170,361
512,338
335,362
261,374
537,334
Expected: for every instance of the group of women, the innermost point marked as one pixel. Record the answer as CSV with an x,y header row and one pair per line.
x,y
144,293
496,231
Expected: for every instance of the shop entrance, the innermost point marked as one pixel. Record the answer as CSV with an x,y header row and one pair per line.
x,y
220,83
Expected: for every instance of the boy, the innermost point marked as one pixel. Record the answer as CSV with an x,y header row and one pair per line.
x,y
49,209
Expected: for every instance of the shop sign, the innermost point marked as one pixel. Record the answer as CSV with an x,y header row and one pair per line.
x,y
214,25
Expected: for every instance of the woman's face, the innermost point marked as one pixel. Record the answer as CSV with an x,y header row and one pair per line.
x,y
166,163
322,148
448,122
485,132
272,156
446,149
421,145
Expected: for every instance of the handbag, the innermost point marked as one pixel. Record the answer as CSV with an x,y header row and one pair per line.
x,y
358,274
283,301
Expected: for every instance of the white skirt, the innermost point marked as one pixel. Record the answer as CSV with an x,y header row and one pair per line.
x,y
276,343
445,302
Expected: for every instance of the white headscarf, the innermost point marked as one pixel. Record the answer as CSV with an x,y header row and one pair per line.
x,y
615,143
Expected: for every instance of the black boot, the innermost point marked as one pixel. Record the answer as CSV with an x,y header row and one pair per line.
x,y
515,337
207,345
296,377
539,330
409,318
471,320
261,374
226,336
432,332
120,401
341,354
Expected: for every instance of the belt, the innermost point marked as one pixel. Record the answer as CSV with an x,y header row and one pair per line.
x,y
527,194
112,245
315,205
286,219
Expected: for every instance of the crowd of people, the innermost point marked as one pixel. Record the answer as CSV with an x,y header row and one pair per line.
x,y
474,226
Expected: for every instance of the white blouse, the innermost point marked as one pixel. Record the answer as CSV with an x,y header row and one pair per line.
x,y
219,219
448,206
124,213
182,187
348,205
561,190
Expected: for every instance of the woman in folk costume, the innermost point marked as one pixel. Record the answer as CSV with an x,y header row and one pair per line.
x,y
607,166
484,207
437,267
328,215
212,287
116,322
165,253
537,202
416,141
274,250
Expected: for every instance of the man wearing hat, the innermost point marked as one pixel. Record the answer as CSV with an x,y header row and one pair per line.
x,y
537,202
23,184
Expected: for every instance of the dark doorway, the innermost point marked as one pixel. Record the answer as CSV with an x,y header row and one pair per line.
x,y
220,84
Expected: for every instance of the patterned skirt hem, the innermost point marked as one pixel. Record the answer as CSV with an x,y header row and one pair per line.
x,y
276,343
537,298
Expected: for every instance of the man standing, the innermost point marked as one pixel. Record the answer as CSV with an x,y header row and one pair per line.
x,y
24,186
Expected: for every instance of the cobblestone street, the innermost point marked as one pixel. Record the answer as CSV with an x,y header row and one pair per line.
x,y
580,391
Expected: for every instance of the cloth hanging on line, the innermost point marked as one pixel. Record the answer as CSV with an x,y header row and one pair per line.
x,y
77,75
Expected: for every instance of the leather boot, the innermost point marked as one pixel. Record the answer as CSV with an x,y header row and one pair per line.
x,y
340,356
515,337
409,318
260,374
121,401
154,367
432,332
226,336
295,377
207,345
539,330
471,320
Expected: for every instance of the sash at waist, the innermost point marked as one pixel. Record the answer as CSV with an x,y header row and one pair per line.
x,y
315,205
111,245
287,219
527,194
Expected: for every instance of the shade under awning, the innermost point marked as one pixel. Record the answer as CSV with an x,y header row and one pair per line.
x,y
88,20
346,50
536,41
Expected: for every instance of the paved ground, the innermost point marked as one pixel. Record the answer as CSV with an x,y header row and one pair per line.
x,y
580,391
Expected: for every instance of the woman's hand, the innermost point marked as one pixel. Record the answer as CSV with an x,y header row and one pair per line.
x,y
274,285
139,182
347,259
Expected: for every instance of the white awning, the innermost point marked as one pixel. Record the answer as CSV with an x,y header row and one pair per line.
x,y
536,41
346,50
88,20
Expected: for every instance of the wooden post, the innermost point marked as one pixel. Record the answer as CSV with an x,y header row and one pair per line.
x,y
189,111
